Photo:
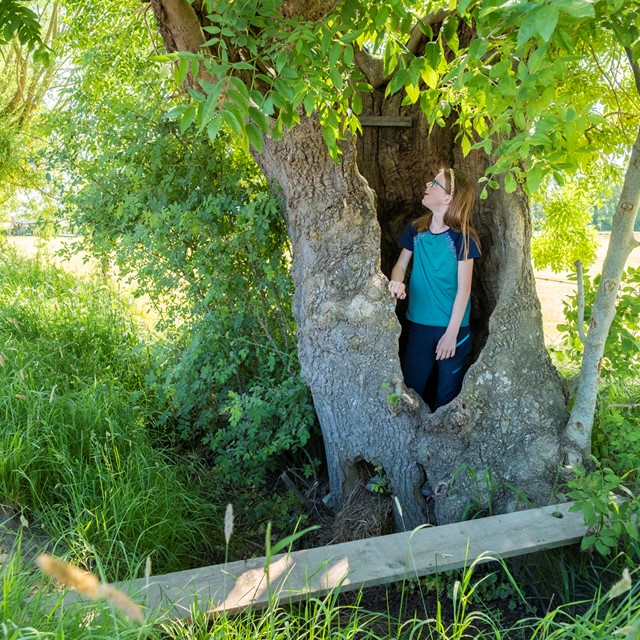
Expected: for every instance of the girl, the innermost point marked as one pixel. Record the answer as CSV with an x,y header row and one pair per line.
x,y
445,246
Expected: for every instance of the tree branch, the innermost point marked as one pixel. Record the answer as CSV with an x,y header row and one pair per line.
x,y
180,29
634,67
417,34
182,23
581,334
372,66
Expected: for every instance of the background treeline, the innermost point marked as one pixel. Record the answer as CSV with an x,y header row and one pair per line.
x,y
202,236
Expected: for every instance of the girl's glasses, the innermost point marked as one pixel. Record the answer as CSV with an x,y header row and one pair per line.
x,y
435,182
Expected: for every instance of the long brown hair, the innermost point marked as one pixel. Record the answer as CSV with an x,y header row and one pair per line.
x,y
460,212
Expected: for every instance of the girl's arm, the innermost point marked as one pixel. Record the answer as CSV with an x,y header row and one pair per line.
x,y
396,283
446,347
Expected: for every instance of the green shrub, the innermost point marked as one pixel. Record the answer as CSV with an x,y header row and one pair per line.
x,y
608,495
611,510
621,360
196,226
616,434
205,239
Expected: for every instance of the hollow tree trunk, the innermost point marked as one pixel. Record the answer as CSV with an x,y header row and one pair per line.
x,y
506,425
347,330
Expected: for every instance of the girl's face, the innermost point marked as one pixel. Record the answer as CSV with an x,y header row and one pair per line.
x,y
436,194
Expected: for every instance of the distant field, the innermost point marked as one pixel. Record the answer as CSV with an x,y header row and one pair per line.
x,y
28,246
552,287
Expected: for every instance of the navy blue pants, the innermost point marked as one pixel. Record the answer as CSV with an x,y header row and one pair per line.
x,y
420,359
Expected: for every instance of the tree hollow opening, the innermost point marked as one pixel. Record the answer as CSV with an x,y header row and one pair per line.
x,y
397,162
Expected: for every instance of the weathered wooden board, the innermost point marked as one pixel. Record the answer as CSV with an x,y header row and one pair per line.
x,y
385,121
362,563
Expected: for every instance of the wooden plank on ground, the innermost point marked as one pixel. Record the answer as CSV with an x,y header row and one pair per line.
x,y
362,563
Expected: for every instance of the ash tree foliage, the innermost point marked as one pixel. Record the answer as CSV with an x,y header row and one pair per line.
x,y
20,21
566,232
545,87
196,226
27,67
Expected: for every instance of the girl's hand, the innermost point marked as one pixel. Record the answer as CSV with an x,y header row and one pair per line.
x,y
397,289
446,347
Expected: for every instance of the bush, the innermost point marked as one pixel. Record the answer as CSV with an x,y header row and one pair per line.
x,y
203,236
621,360
608,494
197,228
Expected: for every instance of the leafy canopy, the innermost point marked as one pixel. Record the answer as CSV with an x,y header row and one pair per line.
x,y
17,19
27,76
546,82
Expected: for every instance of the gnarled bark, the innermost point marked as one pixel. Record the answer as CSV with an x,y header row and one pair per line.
x,y
509,414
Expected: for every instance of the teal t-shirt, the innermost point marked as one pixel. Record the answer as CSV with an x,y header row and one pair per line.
x,y
434,279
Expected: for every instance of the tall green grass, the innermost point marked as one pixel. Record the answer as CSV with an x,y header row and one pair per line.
x,y
77,459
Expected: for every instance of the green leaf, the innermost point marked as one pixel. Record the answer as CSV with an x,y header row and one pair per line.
x,y
510,184
309,103
329,136
450,30
209,108
196,95
537,58
433,54
546,20
239,100
182,69
176,111
465,145
348,55
534,176
356,104
397,81
260,119
429,75
631,529
576,8
528,27
255,136
413,93
334,54
336,79
233,120
187,118
214,126
381,16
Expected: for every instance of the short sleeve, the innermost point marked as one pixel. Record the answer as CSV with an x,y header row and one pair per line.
x,y
406,239
474,250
